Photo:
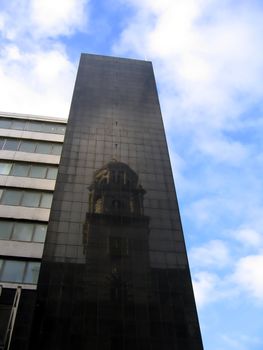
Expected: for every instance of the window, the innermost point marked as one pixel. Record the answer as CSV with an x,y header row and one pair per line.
x,y
30,146
56,149
61,129
40,233
44,148
2,142
18,124
28,170
26,198
52,128
46,200
33,126
32,272
11,197
31,199
27,146
5,123
20,170
52,173
5,168
38,171
120,177
11,145
18,271
13,271
5,229
37,126
22,231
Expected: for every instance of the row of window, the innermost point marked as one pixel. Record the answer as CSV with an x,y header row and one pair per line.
x,y
18,271
11,144
28,170
30,125
35,199
22,231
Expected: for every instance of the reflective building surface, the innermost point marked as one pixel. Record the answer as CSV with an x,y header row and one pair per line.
x,y
114,273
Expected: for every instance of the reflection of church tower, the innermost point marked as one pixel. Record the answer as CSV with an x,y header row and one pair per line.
x,y
115,191
115,235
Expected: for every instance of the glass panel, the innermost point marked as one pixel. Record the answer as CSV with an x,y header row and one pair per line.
x,y
56,149
11,197
18,124
32,272
27,146
44,148
2,141
54,128
5,123
52,173
61,129
13,271
5,168
20,170
5,229
38,171
33,126
40,233
31,199
46,200
1,192
23,231
1,264
11,145
48,127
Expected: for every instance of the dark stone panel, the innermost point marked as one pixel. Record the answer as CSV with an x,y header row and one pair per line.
x,y
115,272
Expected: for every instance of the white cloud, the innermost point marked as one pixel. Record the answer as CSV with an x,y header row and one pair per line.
x,y
209,287
212,254
57,17
37,76
248,237
209,61
42,18
249,275
204,285
224,151
36,82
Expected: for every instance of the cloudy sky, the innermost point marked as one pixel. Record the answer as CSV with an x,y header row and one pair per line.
x,y
208,61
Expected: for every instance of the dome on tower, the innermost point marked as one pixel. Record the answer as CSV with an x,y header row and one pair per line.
x,y
116,172
115,191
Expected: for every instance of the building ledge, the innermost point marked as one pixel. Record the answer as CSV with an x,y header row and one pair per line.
x,y
27,182
32,135
19,212
29,157
21,249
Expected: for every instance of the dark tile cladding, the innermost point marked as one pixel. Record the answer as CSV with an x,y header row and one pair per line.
x,y
115,273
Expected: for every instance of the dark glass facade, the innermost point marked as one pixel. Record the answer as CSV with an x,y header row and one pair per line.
x,y
114,273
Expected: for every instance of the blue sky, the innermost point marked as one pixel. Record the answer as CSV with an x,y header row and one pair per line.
x,y
208,61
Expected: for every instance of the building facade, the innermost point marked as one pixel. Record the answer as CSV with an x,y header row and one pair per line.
x,y
114,271
30,148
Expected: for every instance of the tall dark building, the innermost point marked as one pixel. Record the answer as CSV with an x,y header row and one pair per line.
x,y
114,273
